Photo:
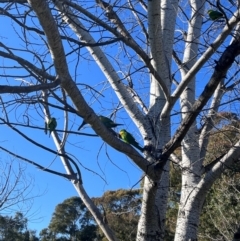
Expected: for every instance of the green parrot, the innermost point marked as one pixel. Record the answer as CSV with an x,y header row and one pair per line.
x,y
108,122
52,124
129,139
105,120
214,15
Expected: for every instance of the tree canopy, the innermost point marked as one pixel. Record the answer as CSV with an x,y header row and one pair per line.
x,y
14,228
72,220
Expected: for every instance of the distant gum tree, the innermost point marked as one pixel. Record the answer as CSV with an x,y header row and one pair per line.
x,y
172,69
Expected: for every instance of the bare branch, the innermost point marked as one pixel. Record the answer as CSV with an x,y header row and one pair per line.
x,y
221,69
28,89
202,60
70,177
126,38
26,63
46,148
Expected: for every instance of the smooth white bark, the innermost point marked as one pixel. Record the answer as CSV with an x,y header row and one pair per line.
x,y
161,17
106,67
201,61
190,208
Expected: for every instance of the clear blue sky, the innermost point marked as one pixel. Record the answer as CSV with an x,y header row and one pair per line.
x,y
99,173
107,174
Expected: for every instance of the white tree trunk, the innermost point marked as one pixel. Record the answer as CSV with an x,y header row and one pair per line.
x,y
190,208
151,225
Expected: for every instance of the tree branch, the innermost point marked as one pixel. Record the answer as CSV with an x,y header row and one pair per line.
x,y
202,60
83,44
26,63
105,66
125,37
28,89
46,148
221,69
70,177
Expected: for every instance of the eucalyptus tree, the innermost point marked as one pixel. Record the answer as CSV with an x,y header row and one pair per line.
x,y
121,209
71,219
171,67
15,228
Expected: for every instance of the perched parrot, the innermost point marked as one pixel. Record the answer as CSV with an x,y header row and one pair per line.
x,y
214,15
52,124
108,122
105,120
129,139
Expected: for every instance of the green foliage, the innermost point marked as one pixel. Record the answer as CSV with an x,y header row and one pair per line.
x,y
173,201
72,219
221,209
46,235
89,232
122,209
15,229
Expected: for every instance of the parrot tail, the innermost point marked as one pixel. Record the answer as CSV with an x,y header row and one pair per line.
x,y
138,147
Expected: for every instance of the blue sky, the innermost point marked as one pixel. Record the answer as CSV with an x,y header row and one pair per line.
x,y
108,174
100,172
49,190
